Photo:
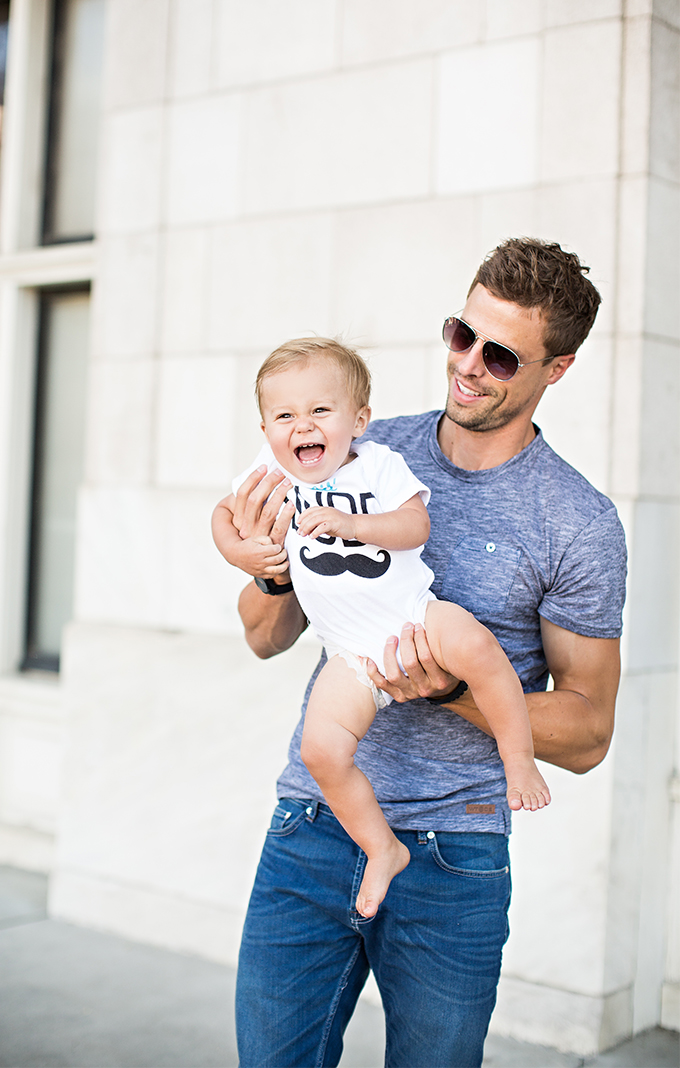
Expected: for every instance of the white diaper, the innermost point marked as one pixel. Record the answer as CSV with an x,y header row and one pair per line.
x,y
358,663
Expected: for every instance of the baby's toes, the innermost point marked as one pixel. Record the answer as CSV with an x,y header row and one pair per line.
x,y
515,799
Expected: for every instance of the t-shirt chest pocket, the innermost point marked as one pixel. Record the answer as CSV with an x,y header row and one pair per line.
x,y
480,574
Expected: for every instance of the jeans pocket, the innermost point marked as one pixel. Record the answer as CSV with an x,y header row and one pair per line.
x,y
286,819
479,859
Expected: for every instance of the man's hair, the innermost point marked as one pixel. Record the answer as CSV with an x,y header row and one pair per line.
x,y
303,350
537,274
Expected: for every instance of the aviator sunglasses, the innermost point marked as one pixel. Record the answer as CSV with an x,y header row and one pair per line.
x,y
500,361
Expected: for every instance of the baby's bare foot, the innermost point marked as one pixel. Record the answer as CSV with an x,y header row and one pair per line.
x,y
379,873
527,788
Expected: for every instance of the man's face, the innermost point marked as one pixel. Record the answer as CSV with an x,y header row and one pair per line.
x,y
476,400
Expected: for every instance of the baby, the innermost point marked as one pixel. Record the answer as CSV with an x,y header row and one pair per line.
x,y
362,500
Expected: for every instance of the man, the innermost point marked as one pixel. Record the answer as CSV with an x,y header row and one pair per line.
x,y
537,554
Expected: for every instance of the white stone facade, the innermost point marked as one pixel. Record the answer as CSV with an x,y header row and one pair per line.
x,y
273,169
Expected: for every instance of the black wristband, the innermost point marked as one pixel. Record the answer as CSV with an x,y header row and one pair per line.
x,y
267,585
447,698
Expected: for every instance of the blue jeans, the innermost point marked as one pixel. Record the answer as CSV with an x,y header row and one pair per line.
x,y
434,947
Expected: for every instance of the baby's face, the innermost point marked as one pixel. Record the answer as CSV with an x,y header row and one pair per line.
x,y
310,420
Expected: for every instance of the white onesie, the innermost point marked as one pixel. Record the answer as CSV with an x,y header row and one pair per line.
x,y
356,595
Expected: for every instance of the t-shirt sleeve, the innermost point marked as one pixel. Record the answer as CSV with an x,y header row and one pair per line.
x,y
589,589
264,456
394,478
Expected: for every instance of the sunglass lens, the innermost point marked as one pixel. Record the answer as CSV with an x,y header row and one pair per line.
x,y
458,336
499,361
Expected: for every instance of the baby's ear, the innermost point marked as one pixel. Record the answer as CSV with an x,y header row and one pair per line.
x,y
362,421
263,430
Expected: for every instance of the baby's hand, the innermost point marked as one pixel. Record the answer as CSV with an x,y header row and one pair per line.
x,y
259,557
316,521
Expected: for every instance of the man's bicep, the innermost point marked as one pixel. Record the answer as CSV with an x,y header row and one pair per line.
x,y
587,666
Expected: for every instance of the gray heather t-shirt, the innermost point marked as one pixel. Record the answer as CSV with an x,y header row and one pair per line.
x,y
529,538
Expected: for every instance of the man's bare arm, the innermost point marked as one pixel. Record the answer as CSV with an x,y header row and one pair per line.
x,y
572,725
272,624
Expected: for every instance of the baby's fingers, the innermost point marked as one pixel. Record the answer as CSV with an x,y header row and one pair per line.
x,y
322,527
278,569
269,564
272,554
310,523
309,517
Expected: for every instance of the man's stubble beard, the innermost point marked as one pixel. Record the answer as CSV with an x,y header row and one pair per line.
x,y
499,408
479,421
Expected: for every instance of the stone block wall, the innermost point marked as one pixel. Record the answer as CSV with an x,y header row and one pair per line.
x,y
273,170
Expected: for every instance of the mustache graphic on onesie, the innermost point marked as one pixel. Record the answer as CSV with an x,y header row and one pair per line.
x,y
334,564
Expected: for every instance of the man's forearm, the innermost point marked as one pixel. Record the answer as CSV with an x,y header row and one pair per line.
x,y
272,624
572,725
567,730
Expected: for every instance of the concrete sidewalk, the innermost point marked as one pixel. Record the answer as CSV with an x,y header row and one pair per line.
x,y
76,998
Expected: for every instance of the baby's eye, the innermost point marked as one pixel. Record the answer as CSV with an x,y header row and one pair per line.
x,y
322,410
284,415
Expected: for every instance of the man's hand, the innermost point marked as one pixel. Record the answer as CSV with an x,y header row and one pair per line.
x,y
258,503
249,527
316,521
272,624
572,724
423,676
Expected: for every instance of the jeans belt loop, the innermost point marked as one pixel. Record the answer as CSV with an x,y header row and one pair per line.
x,y
311,811
422,837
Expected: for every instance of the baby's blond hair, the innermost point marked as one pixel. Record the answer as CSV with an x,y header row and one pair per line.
x,y
303,350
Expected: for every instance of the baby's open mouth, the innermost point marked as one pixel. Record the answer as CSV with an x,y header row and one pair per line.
x,y
309,454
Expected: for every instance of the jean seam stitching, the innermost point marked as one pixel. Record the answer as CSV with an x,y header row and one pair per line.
x,y
484,876
334,1007
281,832
465,873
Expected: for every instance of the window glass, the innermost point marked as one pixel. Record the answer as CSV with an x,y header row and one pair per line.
x,y
4,26
74,120
58,470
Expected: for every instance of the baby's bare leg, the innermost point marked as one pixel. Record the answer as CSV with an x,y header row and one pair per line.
x,y
469,651
340,711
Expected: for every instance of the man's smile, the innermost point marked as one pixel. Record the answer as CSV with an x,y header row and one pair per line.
x,y
467,391
463,391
